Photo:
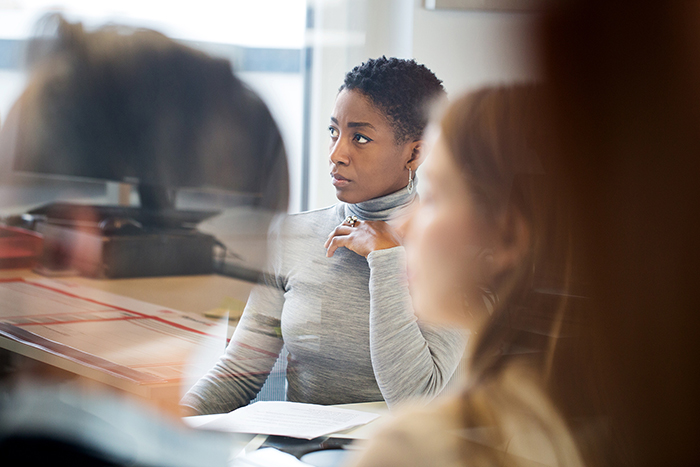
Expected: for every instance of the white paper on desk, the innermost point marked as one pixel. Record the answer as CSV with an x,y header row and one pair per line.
x,y
293,419
268,457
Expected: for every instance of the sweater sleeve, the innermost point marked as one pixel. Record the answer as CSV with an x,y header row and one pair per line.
x,y
250,355
410,359
254,347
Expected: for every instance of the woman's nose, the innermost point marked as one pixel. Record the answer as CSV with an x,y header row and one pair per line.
x,y
339,153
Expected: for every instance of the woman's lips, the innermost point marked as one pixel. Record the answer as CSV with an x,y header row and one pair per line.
x,y
339,181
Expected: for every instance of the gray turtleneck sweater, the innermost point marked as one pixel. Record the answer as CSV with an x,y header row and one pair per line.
x,y
346,321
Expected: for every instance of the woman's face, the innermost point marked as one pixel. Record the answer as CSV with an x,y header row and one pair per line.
x,y
365,161
444,239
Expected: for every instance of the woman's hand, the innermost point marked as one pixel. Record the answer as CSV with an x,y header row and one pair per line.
x,y
362,237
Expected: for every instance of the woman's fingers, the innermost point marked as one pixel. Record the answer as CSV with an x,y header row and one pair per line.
x,y
338,231
335,243
362,238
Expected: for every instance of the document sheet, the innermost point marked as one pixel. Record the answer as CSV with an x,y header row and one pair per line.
x,y
268,457
293,419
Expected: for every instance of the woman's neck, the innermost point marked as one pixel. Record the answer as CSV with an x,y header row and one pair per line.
x,y
383,208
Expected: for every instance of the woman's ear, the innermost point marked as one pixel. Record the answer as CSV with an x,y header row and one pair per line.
x,y
416,155
512,240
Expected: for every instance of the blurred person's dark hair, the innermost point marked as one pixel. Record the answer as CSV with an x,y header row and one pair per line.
x,y
401,89
119,94
626,77
502,140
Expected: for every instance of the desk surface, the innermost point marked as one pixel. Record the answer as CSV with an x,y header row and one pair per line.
x,y
190,294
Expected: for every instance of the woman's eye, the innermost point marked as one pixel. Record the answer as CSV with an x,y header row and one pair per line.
x,y
333,132
362,139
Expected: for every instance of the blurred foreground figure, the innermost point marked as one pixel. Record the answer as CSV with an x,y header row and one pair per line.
x,y
44,423
628,78
490,249
618,382
125,101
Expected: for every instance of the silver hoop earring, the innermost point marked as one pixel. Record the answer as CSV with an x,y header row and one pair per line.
x,y
410,182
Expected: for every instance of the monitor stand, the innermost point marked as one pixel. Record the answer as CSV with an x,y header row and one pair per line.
x,y
155,197
124,241
112,255
86,215
157,212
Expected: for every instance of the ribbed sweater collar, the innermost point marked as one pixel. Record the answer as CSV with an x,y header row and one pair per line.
x,y
382,208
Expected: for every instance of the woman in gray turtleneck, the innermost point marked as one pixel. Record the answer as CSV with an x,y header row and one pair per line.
x,y
338,296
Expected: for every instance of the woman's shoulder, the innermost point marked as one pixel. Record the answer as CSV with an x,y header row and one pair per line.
x,y
527,426
298,232
311,219
508,420
417,436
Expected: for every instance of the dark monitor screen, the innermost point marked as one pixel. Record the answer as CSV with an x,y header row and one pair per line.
x,y
142,109
234,153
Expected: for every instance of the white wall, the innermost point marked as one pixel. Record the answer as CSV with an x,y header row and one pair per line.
x,y
283,94
11,85
337,40
466,49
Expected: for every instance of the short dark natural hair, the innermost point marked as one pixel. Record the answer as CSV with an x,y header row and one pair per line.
x,y
401,89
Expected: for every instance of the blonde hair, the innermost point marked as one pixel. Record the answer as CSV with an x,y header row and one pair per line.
x,y
501,140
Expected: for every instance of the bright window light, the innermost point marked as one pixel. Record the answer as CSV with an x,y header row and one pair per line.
x,y
250,23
